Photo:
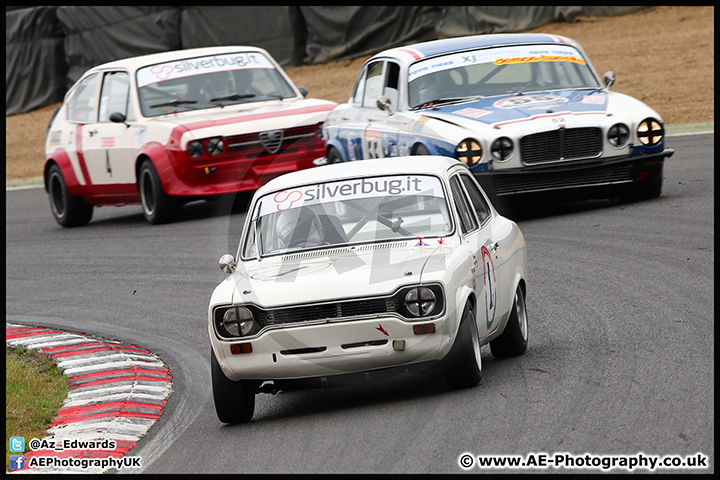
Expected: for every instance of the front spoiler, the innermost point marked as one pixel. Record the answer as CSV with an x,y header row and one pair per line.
x,y
619,174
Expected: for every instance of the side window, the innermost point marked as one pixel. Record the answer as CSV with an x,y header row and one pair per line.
x,y
359,90
114,95
373,84
467,217
392,78
476,198
81,106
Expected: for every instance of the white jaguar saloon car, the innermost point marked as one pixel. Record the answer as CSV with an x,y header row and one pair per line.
x,y
526,112
365,268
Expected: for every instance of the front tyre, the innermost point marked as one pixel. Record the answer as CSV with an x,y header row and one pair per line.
x,y
333,156
158,207
234,400
463,364
68,210
514,338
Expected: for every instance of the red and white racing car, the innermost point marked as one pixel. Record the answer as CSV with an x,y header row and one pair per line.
x,y
168,128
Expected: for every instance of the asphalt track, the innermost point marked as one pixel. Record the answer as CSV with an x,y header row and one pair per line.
x,y
620,359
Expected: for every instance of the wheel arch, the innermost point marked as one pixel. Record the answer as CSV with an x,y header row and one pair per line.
x,y
337,145
161,160
61,159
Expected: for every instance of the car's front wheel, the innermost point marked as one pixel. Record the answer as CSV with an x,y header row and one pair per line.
x,y
513,341
234,400
463,364
68,210
333,156
158,207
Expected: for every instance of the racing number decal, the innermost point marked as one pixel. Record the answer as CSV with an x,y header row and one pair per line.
x,y
372,145
490,287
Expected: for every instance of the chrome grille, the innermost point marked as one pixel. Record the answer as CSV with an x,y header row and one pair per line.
x,y
561,145
326,311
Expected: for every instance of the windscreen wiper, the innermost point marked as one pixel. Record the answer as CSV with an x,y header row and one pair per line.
x,y
233,96
173,103
445,101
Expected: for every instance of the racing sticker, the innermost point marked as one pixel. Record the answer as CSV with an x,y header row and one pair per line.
x,y
500,56
55,136
372,144
490,287
472,112
195,66
529,100
395,185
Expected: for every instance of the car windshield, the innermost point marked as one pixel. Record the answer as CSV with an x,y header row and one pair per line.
x,y
209,82
497,71
373,209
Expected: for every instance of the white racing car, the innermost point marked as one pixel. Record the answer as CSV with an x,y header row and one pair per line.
x,y
165,129
362,266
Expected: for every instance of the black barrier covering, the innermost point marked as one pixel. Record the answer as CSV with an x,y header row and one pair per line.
x,y
96,35
49,48
264,27
336,32
465,20
34,64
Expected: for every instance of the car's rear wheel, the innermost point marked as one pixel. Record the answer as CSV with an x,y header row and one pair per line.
x,y
68,210
158,207
513,341
333,156
234,400
463,364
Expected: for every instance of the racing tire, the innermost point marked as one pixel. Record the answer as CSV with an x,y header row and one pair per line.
x,y
234,400
420,149
648,191
158,207
68,210
333,156
463,364
513,341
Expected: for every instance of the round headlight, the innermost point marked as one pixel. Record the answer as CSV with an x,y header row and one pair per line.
x,y
195,149
238,321
501,149
650,132
618,135
420,301
469,152
215,146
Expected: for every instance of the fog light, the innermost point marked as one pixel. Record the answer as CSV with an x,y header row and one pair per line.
x,y
238,348
424,329
398,345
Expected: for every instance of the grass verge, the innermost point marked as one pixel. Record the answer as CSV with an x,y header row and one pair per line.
x,y
34,389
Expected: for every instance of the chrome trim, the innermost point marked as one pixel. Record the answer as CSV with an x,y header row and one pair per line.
x,y
293,137
321,321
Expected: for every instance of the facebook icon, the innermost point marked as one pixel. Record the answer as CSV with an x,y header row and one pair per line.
x,y
17,462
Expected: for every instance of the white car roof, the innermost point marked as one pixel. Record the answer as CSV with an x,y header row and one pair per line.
x,y
416,164
133,63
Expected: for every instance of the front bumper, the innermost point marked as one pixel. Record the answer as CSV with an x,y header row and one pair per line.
x,y
238,173
327,349
601,176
